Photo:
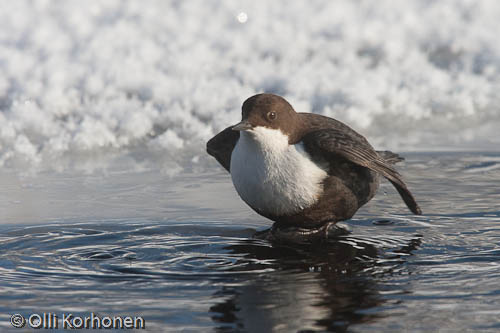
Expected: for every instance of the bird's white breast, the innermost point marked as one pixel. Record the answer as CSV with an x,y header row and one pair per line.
x,y
272,176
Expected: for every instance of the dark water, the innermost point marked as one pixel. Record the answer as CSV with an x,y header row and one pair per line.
x,y
184,258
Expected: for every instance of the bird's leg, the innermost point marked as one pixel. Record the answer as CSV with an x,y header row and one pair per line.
x,y
334,230
297,235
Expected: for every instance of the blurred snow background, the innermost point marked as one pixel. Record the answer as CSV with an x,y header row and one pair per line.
x,y
91,79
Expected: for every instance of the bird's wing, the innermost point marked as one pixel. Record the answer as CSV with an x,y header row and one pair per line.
x,y
340,143
221,146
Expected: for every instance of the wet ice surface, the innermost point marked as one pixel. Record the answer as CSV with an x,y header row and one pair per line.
x,y
178,251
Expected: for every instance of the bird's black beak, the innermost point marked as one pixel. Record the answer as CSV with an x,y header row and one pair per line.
x,y
243,125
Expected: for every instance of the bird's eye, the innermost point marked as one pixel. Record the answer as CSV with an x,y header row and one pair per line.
x,y
271,115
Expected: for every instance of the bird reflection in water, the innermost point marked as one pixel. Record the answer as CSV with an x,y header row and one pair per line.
x,y
329,286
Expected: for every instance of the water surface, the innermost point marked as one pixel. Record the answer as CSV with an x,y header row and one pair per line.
x,y
179,252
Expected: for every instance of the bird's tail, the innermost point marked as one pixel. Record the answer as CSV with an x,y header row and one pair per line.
x,y
386,169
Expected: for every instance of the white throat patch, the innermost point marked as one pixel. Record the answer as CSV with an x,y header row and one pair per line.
x,y
272,176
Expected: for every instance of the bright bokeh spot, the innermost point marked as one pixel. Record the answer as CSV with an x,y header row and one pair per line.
x,y
242,17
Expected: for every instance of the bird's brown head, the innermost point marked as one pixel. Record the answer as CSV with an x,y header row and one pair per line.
x,y
270,111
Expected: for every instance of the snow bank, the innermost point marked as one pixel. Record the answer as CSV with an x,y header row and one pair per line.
x,y
80,77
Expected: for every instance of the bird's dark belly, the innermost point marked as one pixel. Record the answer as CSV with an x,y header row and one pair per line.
x,y
347,188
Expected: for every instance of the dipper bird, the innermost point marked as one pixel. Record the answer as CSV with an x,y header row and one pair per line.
x,y
302,170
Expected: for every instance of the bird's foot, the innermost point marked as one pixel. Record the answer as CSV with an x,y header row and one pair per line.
x,y
298,235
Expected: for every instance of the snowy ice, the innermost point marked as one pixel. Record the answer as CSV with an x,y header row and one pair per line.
x,y
81,78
